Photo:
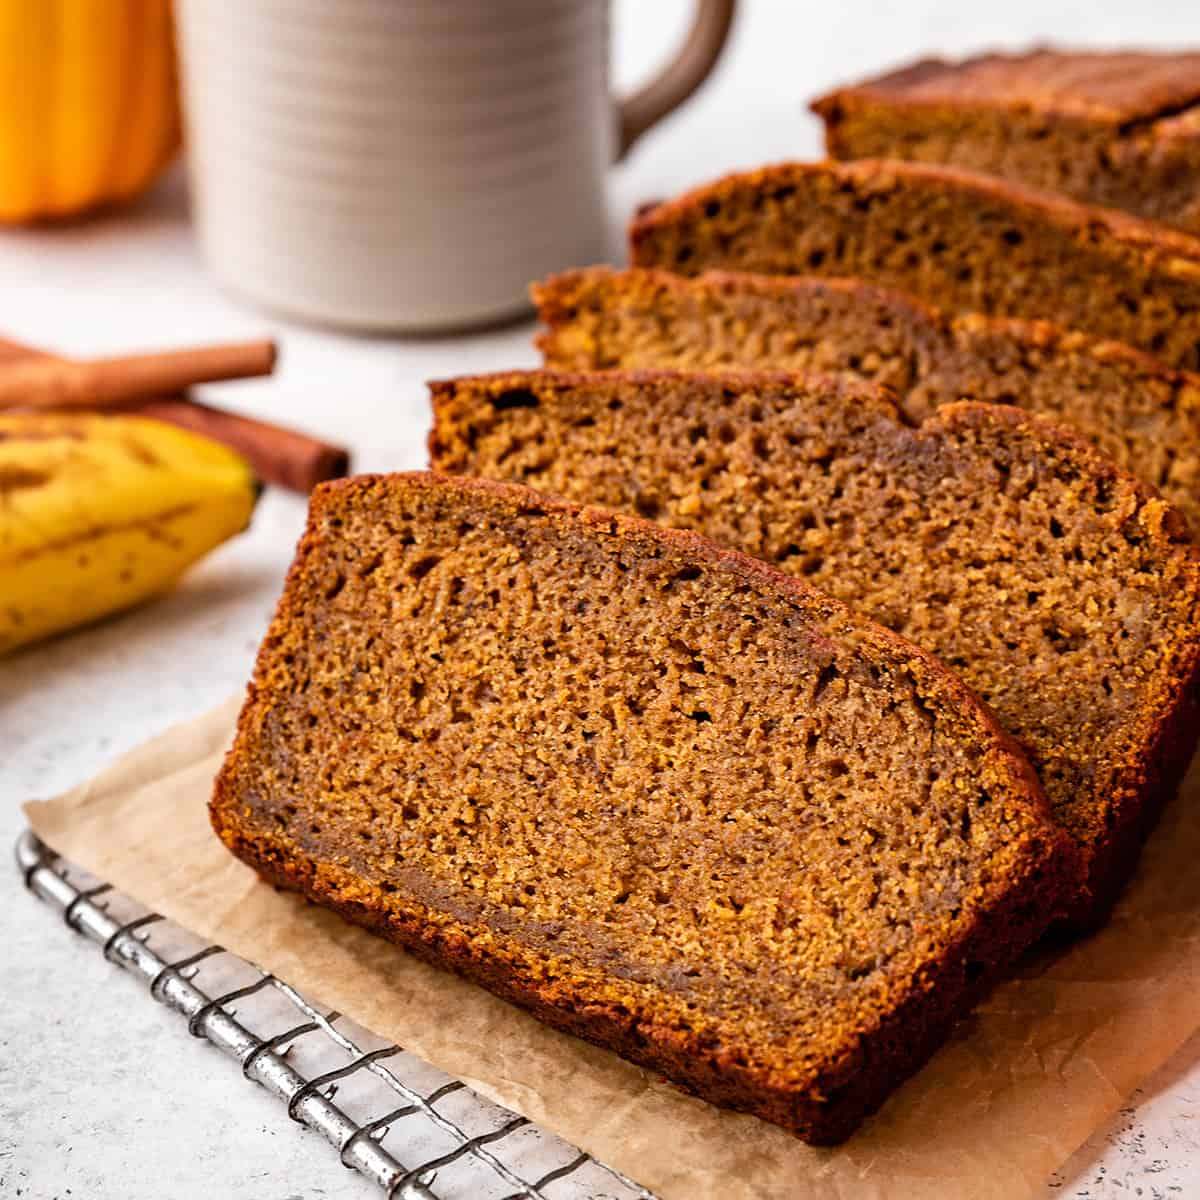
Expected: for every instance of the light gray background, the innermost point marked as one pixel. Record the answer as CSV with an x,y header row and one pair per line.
x,y
101,1094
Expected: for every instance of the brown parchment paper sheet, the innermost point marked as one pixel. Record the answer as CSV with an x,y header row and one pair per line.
x,y
1047,1058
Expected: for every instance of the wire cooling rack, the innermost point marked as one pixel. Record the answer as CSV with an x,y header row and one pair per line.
x,y
412,1130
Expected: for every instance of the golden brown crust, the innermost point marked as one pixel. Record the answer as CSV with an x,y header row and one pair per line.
x,y
823,1102
1118,130
1113,88
826,1112
961,239
1153,241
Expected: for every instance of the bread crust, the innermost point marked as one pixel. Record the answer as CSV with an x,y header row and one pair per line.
x,y
1153,242
1143,414
1157,738
556,296
825,1112
1120,90
955,237
1116,129
826,1104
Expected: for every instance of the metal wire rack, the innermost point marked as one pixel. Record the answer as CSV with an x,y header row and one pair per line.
x,y
412,1130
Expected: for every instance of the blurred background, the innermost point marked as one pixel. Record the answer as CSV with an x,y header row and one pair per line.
x,y
133,276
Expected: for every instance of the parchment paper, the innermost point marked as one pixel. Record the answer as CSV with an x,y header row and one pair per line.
x,y
1021,1085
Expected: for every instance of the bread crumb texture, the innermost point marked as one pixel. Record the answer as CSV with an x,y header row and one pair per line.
x,y
1063,591
663,795
1143,415
964,241
1118,129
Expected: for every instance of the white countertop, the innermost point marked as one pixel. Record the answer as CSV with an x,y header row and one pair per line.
x,y
101,1093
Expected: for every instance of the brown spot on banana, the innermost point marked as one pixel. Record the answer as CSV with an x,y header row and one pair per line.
x,y
142,453
14,478
43,435
148,524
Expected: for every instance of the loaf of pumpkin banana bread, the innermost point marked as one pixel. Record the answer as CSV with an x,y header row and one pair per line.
x,y
664,796
1063,590
963,241
1145,416
1119,129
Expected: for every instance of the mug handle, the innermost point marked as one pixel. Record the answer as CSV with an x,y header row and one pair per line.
x,y
681,76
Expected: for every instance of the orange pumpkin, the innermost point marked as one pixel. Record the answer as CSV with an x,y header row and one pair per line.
x,y
89,109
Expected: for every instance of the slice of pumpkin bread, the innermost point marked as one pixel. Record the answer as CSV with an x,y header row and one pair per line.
x,y
1144,415
664,796
1065,592
963,241
1119,128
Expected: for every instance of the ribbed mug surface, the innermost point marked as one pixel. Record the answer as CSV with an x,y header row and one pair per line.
x,y
397,164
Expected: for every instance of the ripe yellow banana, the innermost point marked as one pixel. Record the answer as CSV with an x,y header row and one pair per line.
x,y
98,513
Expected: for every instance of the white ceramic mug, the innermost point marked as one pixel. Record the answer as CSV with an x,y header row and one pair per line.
x,y
410,165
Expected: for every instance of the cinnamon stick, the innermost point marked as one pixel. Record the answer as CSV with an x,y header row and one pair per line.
x,y
281,456
61,383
